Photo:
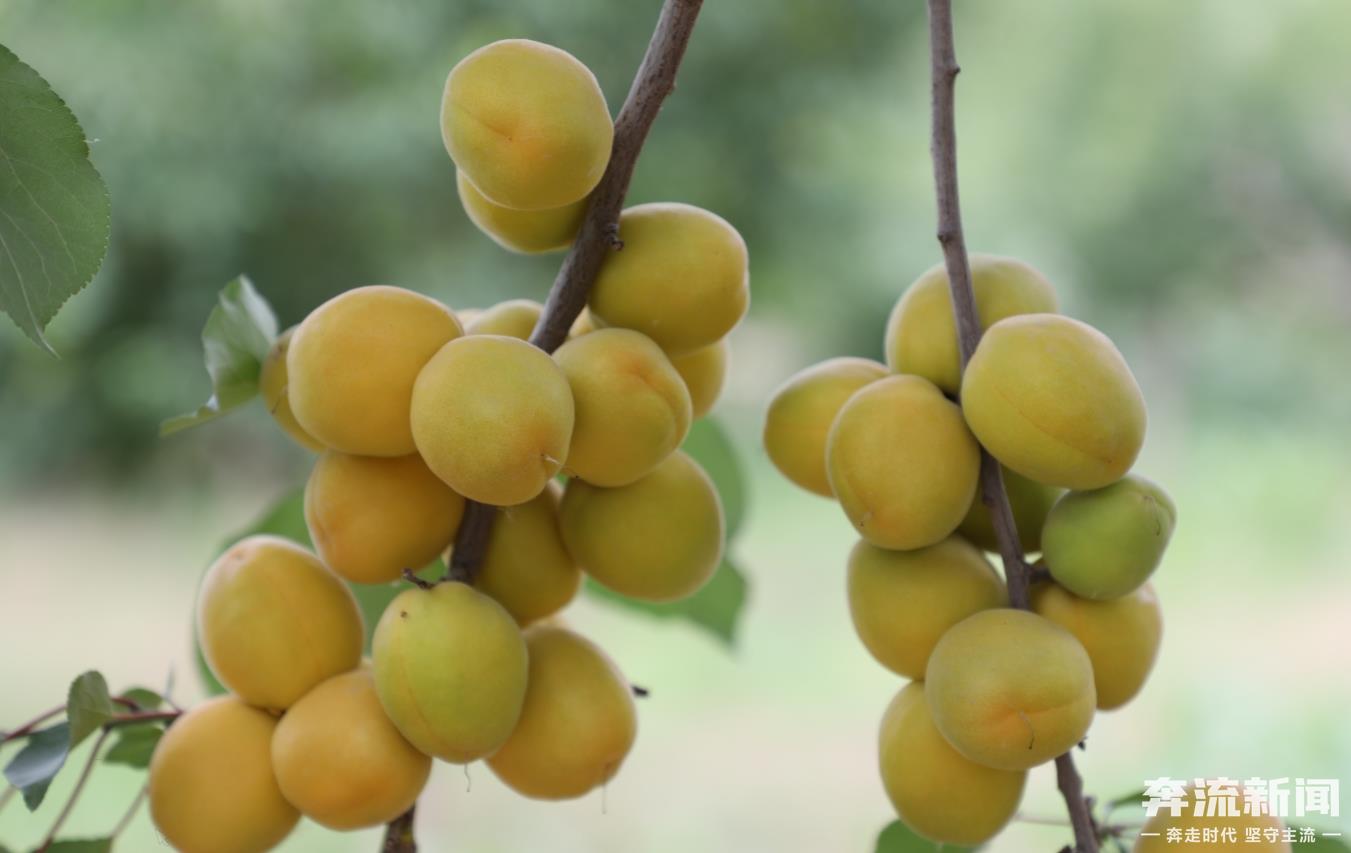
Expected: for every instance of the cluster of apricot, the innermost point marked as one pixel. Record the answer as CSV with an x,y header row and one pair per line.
x,y
995,691
415,411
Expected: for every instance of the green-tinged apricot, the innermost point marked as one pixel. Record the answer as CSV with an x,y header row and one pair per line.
x,y
273,621
529,232
681,279
493,417
802,411
526,567
1121,636
1053,399
1104,543
1010,689
372,517
450,670
340,760
633,409
902,602
352,364
1030,501
705,372
659,539
272,382
921,332
1195,834
902,463
578,722
526,123
212,789
515,318
936,791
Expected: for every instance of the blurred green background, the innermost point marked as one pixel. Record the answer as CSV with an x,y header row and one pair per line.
x,y
1182,171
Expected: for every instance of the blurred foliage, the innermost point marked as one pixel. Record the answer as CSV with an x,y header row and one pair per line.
x,y
1180,170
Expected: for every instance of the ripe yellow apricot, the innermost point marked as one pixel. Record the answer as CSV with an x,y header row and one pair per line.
x,y
659,539
352,363
633,409
273,621
578,722
1121,636
902,602
450,670
902,463
921,333
527,123
1010,689
1104,543
493,417
340,760
515,318
526,567
935,790
1030,502
272,382
585,324
371,517
681,278
802,411
705,372
212,789
1154,835
1053,399
529,232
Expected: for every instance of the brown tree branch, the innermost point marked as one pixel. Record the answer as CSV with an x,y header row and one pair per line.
x,y
944,70
399,834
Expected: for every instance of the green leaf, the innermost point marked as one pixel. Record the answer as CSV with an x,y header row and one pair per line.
x,y
716,608
88,706
235,341
54,209
1323,844
84,845
711,447
41,758
896,837
1134,798
143,698
134,745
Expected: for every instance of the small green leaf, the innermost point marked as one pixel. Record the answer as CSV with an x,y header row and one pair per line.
x,y
134,745
1324,844
54,209
716,607
88,706
143,698
235,341
41,758
711,447
84,845
896,837
1134,798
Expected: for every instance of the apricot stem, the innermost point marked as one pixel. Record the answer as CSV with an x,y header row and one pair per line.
x,y
399,834
943,148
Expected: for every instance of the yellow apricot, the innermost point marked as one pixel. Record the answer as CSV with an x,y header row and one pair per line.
x,y
659,539
352,363
372,517
526,567
1030,502
273,621
681,278
583,325
212,789
935,790
1269,831
515,318
450,670
1053,399
1010,689
705,372
921,333
340,760
1121,636
802,411
272,382
467,316
902,602
493,417
578,722
529,232
633,409
527,123
902,463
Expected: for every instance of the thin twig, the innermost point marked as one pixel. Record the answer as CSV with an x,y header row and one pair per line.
x,y
7,795
130,813
944,71
75,792
31,726
399,834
